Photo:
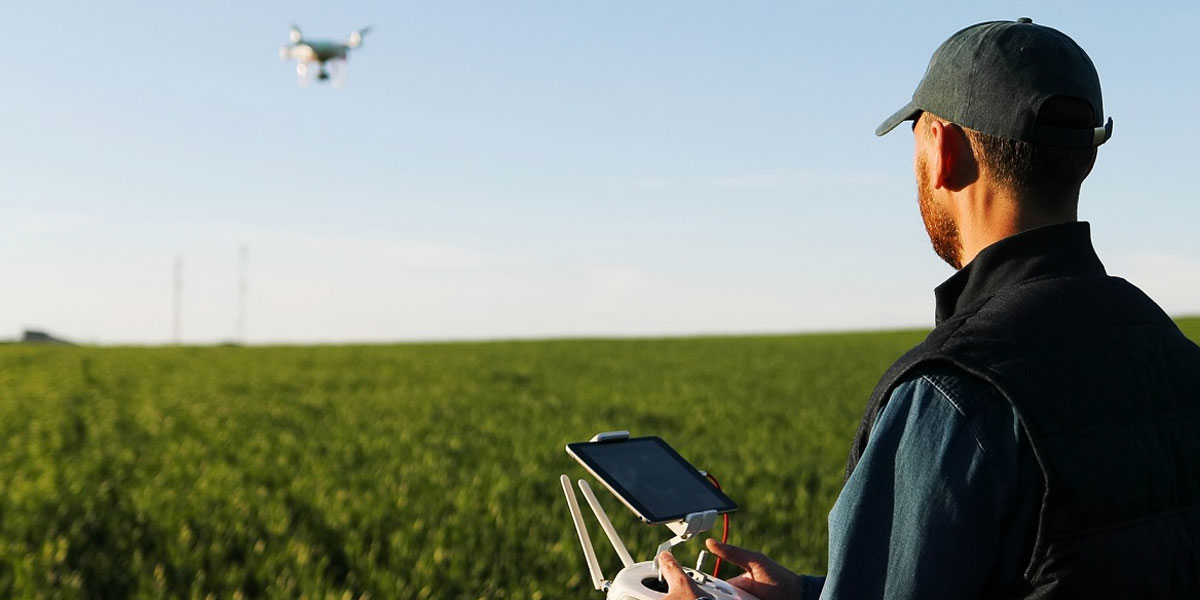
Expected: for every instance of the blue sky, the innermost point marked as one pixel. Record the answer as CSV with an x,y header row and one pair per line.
x,y
495,170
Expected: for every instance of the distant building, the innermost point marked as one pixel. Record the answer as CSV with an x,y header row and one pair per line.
x,y
33,336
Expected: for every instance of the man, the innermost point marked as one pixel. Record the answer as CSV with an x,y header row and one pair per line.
x,y
1044,440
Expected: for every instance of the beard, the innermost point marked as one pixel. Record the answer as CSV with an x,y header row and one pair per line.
x,y
943,233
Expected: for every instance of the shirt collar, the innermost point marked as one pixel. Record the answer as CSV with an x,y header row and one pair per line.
x,y
1064,249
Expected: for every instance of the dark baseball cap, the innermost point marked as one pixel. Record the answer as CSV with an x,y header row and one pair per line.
x,y
993,77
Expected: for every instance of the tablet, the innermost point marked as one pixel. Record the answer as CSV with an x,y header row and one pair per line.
x,y
646,474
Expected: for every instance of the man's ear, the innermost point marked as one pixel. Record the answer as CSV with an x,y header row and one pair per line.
x,y
953,163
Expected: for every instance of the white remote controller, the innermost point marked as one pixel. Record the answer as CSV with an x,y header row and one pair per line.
x,y
640,582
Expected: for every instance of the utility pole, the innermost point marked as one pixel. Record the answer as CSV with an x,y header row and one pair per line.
x,y
178,304
243,259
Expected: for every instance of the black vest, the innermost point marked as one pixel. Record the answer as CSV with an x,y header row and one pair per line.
x,y
1107,390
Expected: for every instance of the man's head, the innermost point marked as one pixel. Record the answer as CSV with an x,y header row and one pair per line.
x,y
1017,107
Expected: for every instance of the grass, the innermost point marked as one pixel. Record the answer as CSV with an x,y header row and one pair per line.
x,y
399,471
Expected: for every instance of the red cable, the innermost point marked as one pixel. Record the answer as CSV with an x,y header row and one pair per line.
x,y
724,528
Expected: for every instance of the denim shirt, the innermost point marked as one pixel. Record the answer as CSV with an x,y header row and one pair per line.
x,y
939,506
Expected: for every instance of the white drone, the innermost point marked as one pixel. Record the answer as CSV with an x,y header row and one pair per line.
x,y
322,54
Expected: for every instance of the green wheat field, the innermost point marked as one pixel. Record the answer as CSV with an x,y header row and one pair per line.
x,y
400,471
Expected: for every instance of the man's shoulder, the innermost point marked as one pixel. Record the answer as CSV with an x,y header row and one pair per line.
x,y
968,394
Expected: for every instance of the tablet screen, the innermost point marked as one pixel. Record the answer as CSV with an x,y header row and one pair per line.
x,y
650,478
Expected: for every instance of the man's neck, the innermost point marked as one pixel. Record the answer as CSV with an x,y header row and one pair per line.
x,y
992,214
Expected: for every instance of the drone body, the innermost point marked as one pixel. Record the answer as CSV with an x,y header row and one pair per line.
x,y
321,53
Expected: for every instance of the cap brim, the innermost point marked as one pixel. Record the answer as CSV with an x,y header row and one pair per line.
x,y
908,113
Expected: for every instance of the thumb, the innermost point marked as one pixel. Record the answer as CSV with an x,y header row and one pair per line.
x,y
672,572
738,556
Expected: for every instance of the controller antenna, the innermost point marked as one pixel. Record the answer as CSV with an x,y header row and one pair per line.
x,y
584,539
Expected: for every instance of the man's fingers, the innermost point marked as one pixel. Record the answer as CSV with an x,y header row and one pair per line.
x,y
743,581
672,572
738,556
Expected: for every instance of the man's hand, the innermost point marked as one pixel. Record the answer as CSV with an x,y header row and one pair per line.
x,y
681,587
764,578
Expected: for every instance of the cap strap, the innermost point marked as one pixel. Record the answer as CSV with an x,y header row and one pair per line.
x,y
1102,134
1071,138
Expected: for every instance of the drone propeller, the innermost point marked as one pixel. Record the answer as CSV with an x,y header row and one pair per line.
x,y
302,76
295,34
356,38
